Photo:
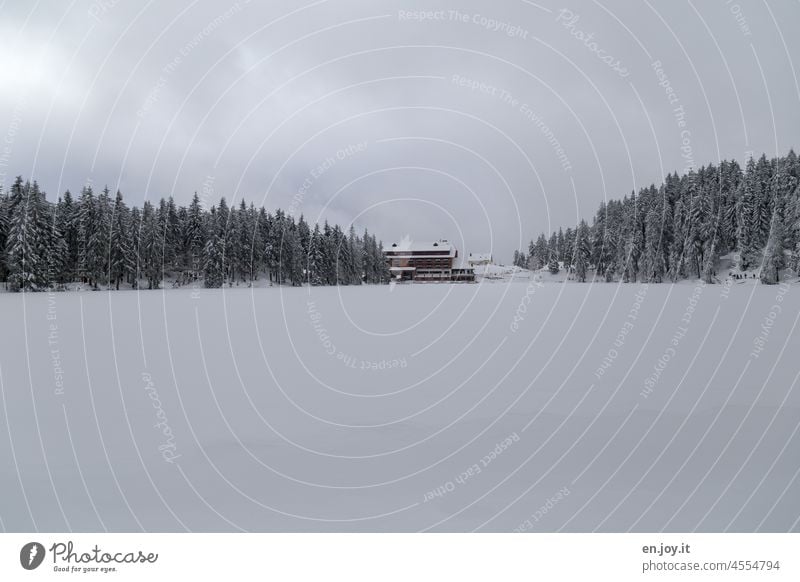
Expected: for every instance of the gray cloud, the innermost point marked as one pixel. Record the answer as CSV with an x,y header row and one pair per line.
x,y
480,122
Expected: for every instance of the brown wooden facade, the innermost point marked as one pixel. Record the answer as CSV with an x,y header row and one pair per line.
x,y
426,262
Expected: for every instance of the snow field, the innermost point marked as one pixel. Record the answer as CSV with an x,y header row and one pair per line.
x,y
510,406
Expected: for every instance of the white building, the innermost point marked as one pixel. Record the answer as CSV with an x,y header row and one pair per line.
x,y
479,259
427,261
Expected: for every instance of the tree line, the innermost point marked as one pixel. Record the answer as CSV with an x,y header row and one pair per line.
x,y
681,228
100,241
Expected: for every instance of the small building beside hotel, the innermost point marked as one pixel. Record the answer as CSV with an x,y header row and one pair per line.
x,y
426,262
479,259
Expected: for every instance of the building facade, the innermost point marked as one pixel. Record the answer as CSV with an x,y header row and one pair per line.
x,y
426,262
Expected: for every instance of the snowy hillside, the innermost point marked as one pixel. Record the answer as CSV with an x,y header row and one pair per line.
x,y
727,273
500,407
490,273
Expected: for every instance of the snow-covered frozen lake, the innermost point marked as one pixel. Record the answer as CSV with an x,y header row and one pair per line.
x,y
497,407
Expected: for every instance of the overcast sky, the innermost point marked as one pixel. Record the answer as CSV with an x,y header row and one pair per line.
x,y
481,122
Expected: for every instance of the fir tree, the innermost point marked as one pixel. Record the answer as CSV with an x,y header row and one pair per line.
x,y
582,251
315,258
119,240
88,242
773,255
5,219
213,265
27,244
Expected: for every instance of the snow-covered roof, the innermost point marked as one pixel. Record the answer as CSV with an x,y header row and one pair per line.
x,y
407,245
480,257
